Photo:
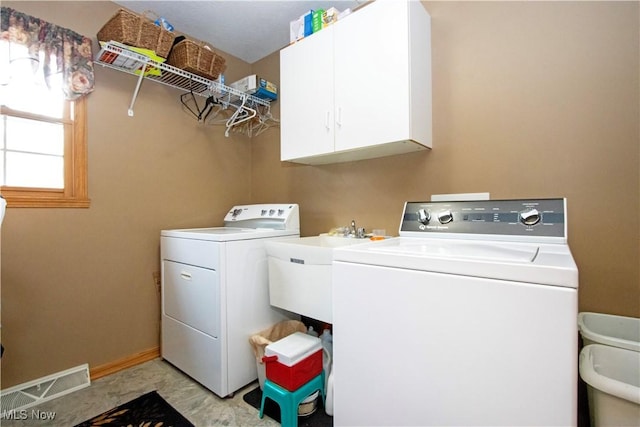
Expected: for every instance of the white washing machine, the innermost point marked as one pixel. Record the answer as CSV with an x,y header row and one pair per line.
x,y
215,293
468,318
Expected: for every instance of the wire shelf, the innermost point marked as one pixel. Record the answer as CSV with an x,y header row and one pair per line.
x,y
120,57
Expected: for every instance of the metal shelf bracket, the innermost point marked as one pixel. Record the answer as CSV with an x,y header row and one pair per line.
x,y
135,94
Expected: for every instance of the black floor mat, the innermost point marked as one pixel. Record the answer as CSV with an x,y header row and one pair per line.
x,y
148,409
319,418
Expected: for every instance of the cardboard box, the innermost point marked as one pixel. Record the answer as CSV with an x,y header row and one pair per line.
x,y
256,86
296,30
308,25
301,27
126,63
316,20
330,16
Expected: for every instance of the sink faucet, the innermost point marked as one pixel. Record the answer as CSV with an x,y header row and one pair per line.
x,y
358,233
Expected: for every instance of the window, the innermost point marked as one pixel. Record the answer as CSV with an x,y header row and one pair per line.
x,y
44,157
43,132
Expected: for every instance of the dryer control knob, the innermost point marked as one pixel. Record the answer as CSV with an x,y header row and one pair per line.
x,y
530,216
445,217
423,216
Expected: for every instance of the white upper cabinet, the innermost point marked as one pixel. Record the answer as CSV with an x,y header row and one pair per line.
x,y
306,77
360,88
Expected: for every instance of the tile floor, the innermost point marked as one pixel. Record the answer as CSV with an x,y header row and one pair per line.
x,y
196,403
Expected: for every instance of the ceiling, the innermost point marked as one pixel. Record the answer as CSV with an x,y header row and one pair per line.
x,y
247,29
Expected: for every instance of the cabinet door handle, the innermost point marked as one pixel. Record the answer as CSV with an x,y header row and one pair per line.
x,y
339,118
185,275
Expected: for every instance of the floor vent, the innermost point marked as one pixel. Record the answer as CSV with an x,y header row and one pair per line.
x,y
43,389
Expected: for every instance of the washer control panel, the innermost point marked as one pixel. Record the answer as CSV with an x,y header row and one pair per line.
x,y
533,217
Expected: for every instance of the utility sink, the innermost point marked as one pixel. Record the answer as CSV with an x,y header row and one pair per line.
x,y
300,273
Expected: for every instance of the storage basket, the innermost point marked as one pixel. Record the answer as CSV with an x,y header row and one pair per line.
x,y
197,59
609,329
137,30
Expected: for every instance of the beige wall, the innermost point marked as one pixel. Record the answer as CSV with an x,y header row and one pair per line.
x,y
531,99
77,284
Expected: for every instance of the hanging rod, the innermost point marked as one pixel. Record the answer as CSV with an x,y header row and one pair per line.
x,y
120,57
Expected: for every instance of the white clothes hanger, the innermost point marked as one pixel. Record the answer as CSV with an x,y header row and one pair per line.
x,y
242,114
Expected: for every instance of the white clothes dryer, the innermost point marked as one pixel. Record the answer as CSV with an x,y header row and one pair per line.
x,y
468,318
215,293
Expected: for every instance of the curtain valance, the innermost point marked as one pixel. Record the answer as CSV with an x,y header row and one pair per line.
x,y
59,53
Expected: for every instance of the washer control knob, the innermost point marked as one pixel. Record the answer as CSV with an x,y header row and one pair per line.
x,y
263,212
445,217
530,216
424,216
236,212
271,212
280,212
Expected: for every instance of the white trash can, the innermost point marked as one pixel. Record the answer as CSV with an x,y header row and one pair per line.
x,y
608,329
613,385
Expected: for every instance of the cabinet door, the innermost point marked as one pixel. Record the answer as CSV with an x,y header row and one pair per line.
x,y
306,97
372,76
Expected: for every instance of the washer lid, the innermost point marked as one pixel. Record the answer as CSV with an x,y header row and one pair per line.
x,y
550,264
462,250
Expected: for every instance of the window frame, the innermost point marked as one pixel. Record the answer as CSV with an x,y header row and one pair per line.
x,y
75,193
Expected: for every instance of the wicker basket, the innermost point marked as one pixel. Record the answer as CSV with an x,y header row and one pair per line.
x,y
136,30
197,59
